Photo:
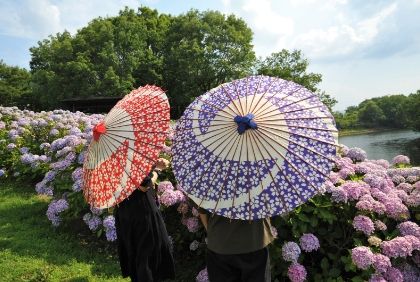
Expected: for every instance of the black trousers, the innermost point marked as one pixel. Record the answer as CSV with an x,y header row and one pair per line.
x,y
248,267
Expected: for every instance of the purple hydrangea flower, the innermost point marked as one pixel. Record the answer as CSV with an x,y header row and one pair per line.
x,y
400,159
397,247
77,174
290,251
202,276
54,132
167,150
92,221
296,272
362,257
64,151
410,273
339,195
414,240
11,146
357,154
192,224
381,263
110,231
394,275
309,242
24,150
379,225
182,208
194,245
27,158
346,172
377,278
398,179
405,187
164,186
364,224
409,228
81,157
168,198
54,209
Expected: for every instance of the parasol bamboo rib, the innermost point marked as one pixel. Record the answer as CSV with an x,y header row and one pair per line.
x,y
205,171
208,151
285,159
297,134
300,145
231,100
291,164
289,151
302,126
255,93
236,174
266,100
259,175
269,172
225,176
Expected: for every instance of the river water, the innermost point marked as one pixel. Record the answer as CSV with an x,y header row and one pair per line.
x,y
386,145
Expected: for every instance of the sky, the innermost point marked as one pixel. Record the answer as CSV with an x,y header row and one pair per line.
x,y
362,48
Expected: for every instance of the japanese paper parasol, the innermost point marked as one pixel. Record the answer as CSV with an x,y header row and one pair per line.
x,y
254,148
125,145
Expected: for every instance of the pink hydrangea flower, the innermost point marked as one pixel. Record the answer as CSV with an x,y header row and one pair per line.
x,y
164,186
168,198
394,275
309,242
381,263
409,228
397,247
379,225
192,224
364,224
202,276
296,272
290,251
400,159
362,257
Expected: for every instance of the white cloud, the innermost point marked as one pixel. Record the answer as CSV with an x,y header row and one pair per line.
x,y
29,19
344,38
263,18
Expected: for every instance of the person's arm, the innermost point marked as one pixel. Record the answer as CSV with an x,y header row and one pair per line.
x,y
204,219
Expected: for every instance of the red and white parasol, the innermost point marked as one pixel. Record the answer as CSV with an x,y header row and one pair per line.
x,y
125,146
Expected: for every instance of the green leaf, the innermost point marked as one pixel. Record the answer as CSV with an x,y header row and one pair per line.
x,y
325,264
334,272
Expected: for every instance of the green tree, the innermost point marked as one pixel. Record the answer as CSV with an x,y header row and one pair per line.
x,y
203,50
292,65
412,107
108,57
15,87
371,114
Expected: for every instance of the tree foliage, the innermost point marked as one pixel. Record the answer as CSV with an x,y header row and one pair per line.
x,y
392,111
203,50
187,55
14,85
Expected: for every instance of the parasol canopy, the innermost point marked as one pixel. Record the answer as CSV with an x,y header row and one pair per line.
x,y
125,146
254,148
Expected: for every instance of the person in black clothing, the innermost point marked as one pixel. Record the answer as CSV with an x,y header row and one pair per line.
x,y
144,249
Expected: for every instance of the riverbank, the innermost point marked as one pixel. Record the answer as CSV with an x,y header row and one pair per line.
x,y
359,131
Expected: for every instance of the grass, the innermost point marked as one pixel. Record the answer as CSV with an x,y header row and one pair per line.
x,y
358,131
32,250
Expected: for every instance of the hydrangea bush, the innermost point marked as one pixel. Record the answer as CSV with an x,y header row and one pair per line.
x,y
362,225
